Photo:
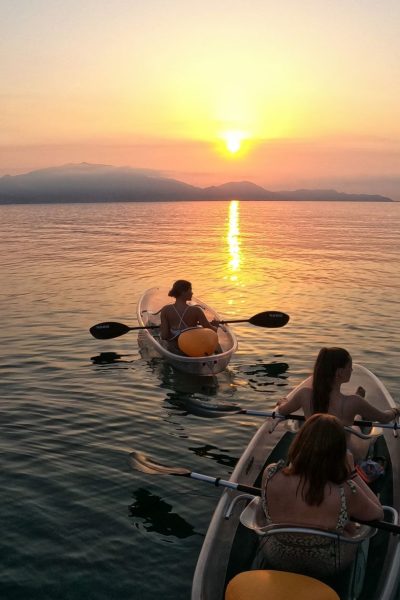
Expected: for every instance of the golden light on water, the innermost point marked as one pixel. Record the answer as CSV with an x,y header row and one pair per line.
x,y
233,240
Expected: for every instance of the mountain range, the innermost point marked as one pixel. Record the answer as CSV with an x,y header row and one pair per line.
x,y
104,183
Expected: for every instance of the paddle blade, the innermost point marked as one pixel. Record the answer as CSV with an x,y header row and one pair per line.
x,y
108,330
270,318
140,462
210,409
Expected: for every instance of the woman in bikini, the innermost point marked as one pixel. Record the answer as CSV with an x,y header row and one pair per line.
x,y
317,487
332,368
179,316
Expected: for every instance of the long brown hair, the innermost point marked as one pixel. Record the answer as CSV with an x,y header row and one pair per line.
x,y
329,360
318,456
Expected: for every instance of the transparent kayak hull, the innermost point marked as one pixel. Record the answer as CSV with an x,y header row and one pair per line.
x,y
148,313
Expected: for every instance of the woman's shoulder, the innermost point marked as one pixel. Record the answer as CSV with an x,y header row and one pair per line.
x,y
166,312
194,308
304,392
167,308
353,400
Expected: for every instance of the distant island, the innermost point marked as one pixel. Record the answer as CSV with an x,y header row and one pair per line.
x,y
104,183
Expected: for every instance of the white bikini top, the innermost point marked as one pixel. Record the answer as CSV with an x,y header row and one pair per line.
x,y
182,325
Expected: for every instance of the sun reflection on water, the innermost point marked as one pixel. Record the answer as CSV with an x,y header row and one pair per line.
x,y
233,240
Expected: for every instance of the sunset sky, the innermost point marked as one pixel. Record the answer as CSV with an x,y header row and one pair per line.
x,y
286,94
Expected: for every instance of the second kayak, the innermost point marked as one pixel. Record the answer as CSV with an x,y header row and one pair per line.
x,y
148,313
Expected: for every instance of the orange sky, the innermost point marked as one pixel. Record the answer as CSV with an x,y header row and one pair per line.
x,y
309,91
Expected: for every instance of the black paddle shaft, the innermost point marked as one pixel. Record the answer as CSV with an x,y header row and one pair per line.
x,y
112,329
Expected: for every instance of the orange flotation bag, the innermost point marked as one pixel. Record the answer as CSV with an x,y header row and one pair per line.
x,y
277,585
198,341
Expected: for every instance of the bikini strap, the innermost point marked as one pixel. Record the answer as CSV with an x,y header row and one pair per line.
x,y
343,515
181,321
271,470
352,486
274,468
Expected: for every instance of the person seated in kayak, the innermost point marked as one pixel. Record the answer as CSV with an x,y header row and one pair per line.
x,y
177,317
319,486
316,488
332,368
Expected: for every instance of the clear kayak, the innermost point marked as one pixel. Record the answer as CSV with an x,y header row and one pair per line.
x,y
233,547
148,314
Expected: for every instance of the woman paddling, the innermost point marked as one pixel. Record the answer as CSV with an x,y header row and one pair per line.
x,y
177,317
333,367
318,489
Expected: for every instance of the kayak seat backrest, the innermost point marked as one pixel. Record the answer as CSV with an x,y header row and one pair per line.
x,y
305,550
361,443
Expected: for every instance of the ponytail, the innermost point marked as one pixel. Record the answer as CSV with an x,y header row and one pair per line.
x,y
329,360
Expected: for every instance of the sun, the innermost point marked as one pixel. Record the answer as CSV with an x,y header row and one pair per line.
x,y
233,144
233,141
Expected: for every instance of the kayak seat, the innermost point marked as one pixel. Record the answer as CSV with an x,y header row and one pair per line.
x,y
360,443
305,550
277,585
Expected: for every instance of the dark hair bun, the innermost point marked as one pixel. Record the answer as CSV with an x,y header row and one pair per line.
x,y
180,286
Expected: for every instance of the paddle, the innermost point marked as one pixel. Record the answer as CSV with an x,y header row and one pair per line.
x,y
111,329
140,462
222,410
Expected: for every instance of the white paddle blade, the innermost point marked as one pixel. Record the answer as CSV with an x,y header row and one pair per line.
x,y
140,462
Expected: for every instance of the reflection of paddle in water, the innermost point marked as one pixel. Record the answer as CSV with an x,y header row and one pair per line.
x,y
269,369
222,459
158,517
108,357
264,375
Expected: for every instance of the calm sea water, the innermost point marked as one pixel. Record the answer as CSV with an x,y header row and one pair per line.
x,y
76,522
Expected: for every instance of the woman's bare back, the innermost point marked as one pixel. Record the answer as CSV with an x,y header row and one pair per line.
x,y
343,406
189,316
286,504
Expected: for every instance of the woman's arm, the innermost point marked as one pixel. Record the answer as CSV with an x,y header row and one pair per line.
x,y
285,407
369,412
202,319
361,501
165,331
